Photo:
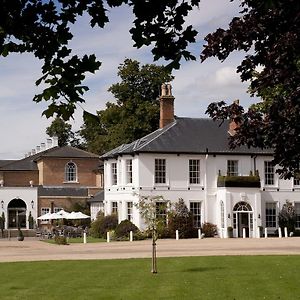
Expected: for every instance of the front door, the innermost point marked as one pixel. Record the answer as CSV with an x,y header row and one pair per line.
x,y
243,222
16,213
17,218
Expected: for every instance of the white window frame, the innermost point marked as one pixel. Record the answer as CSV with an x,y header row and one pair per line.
x,y
271,218
160,171
269,173
45,210
114,173
71,172
195,209
128,171
232,167
114,207
161,211
130,211
57,209
194,171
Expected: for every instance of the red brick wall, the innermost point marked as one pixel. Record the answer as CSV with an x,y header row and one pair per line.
x,y
53,171
20,178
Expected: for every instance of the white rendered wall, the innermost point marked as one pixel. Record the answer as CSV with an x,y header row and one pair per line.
x,y
27,194
177,185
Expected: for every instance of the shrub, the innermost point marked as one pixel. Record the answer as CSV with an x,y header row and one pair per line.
x,y
287,217
103,224
123,229
139,236
182,220
162,230
60,240
209,229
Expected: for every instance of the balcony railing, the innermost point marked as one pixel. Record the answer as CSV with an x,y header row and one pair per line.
x,y
239,181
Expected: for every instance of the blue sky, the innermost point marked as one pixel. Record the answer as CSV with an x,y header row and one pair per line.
x,y
194,87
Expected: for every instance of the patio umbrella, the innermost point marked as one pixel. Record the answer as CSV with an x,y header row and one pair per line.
x,y
46,216
63,214
77,215
55,216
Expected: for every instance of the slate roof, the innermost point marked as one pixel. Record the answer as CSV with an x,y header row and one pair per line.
x,y
98,197
186,136
62,191
5,162
29,163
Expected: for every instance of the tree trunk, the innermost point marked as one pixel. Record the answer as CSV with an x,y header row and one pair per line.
x,y
154,266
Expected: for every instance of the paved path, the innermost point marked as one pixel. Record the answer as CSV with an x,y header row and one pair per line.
x,y
35,250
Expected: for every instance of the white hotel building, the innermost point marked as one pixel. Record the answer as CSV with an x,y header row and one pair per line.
x,y
189,158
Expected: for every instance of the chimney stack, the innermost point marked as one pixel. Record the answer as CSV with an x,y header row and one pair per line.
x,y
49,143
43,146
54,141
166,105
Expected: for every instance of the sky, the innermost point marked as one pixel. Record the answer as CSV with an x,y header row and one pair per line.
x,y
196,84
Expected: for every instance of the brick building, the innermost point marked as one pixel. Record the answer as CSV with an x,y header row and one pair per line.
x,y
48,179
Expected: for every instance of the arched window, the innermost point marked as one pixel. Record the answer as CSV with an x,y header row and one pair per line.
x,y
70,172
242,206
222,214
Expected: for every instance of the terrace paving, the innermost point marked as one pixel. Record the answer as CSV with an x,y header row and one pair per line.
x,y
32,249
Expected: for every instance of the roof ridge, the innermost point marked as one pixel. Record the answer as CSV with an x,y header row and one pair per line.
x,y
163,130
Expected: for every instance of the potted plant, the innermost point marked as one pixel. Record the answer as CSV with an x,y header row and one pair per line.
x,y
230,231
30,220
20,235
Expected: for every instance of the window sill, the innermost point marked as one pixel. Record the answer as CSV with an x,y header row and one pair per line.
x,y
72,182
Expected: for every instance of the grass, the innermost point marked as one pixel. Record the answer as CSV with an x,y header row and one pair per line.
x,y
89,239
228,277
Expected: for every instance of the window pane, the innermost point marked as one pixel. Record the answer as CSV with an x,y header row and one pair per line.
x,y
271,215
222,215
232,168
114,207
114,173
194,171
161,211
129,171
129,210
70,172
269,173
195,209
160,171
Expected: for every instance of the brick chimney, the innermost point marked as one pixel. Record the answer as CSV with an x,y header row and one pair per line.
x,y
232,124
166,105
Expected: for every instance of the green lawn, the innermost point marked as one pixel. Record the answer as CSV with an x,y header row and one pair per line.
x,y
228,277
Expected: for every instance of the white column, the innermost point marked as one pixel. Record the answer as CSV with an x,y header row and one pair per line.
x,y
131,236
244,233
285,232
199,233
266,232
84,237
279,232
177,235
258,232
107,237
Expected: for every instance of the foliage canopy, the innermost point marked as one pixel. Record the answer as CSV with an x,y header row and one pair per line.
x,y
44,29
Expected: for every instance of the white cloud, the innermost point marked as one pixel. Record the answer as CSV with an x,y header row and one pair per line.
x,y
195,86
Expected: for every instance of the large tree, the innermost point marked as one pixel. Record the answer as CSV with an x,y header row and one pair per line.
x,y
44,28
136,111
269,34
62,130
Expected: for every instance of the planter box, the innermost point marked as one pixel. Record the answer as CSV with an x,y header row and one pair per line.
x,y
239,181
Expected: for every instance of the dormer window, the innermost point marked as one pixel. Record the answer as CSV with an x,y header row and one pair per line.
x,y
71,172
